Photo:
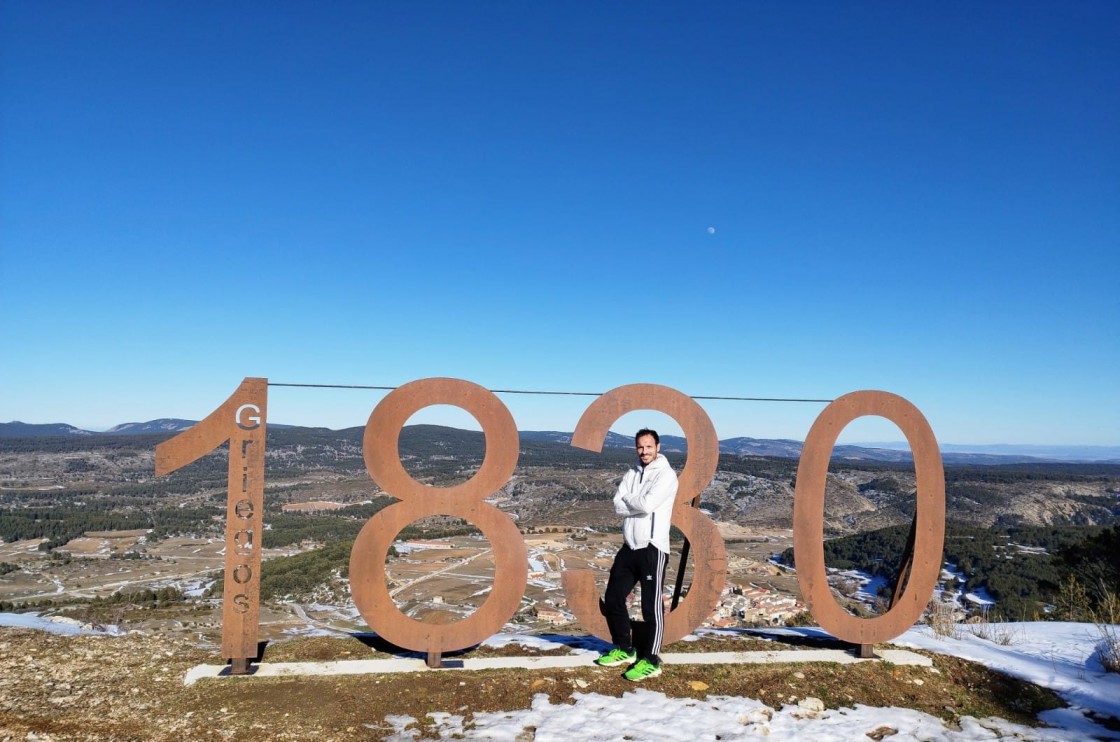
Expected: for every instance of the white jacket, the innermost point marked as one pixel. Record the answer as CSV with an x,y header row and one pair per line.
x,y
645,497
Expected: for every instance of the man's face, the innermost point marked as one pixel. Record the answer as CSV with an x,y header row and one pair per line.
x,y
647,449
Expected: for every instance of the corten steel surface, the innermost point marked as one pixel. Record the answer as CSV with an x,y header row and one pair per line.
x,y
709,552
240,420
808,517
907,564
382,457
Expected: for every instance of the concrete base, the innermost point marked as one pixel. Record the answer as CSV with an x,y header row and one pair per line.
x,y
371,667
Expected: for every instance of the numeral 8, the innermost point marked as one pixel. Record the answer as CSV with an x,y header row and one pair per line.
x,y
382,457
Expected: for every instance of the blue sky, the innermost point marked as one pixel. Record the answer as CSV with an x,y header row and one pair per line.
x,y
917,199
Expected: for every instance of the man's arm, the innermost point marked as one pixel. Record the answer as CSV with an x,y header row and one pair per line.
x,y
652,494
624,487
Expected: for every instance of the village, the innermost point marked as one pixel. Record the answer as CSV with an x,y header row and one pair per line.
x,y
429,577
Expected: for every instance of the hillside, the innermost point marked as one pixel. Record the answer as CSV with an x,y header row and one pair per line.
x,y
79,510
95,687
553,480
896,452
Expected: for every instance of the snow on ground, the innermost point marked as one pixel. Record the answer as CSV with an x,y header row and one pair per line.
x,y
1055,655
54,624
589,645
869,586
979,598
1060,656
649,715
196,587
536,563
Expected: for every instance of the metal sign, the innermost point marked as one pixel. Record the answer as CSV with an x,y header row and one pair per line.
x,y
241,421
710,568
808,518
367,559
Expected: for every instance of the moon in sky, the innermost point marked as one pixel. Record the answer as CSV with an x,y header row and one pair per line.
x,y
711,230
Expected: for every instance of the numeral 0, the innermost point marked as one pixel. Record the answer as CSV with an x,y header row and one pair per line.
x,y
808,517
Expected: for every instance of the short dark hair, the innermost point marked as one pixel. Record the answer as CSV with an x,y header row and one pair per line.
x,y
644,432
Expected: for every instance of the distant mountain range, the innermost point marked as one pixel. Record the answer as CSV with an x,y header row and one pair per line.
x,y
16,429
884,452
163,425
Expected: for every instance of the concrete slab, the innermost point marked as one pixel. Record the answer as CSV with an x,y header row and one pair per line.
x,y
396,665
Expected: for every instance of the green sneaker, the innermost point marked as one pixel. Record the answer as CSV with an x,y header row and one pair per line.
x,y
641,670
616,657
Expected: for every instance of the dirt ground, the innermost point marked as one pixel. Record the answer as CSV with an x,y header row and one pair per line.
x,y
131,688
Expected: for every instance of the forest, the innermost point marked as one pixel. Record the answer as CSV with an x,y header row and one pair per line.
x,y
1023,569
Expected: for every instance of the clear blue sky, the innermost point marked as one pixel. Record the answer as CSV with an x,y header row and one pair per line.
x,y
917,199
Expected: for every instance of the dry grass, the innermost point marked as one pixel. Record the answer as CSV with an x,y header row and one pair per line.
x,y
1107,619
1004,634
329,648
129,694
941,618
1109,648
951,689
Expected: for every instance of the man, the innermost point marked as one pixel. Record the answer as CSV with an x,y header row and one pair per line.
x,y
645,500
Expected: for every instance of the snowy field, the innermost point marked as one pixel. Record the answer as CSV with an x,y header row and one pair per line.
x,y
1060,656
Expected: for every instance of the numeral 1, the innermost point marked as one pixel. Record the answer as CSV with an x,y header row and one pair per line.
x,y
241,421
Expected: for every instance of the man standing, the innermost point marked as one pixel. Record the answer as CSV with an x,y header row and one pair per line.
x,y
645,499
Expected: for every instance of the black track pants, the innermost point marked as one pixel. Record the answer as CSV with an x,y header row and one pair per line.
x,y
631,567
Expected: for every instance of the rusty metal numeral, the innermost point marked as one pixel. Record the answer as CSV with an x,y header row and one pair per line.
x,y
241,421
808,517
710,570
382,457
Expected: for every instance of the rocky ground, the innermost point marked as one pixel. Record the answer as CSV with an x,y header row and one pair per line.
x,y
132,688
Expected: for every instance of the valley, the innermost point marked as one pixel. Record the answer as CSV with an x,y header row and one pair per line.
x,y
89,532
